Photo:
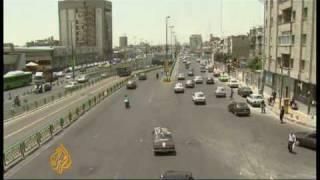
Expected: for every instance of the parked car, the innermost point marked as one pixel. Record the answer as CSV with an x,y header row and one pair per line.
x,y
202,69
216,73
210,80
239,108
244,91
162,141
181,175
178,88
199,97
103,75
198,80
131,84
233,83
68,76
142,76
190,84
255,100
307,139
47,87
220,92
83,79
181,76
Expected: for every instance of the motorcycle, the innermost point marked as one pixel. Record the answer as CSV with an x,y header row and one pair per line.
x,y
127,104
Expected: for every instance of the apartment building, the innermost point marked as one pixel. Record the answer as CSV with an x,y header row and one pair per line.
x,y
123,41
86,24
195,42
256,42
290,48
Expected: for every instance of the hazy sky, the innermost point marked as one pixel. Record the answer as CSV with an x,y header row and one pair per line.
x,y
26,20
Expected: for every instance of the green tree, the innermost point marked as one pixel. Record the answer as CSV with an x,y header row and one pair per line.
x,y
254,64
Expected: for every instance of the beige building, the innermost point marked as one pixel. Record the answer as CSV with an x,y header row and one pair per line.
x,y
256,42
86,24
195,42
123,41
290,48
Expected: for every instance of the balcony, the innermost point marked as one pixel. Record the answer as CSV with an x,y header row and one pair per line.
x,y
284,4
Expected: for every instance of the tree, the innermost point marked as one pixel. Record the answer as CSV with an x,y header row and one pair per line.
x,y
255,64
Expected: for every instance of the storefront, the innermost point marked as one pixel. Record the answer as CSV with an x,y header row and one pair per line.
x,y
303,91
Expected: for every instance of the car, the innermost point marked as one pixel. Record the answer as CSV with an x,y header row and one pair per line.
x,y
83,79
202,69
198,60
68,76
255,100
198,80
181,76
239,108
199,97
47,87
190,84
233,83
162,141
223,77
216,73
244,91
142,76
210,80
184,61
181,175
178,88
190,73
131,84
188,62
220,92
70,85
307,139
103,75
60,74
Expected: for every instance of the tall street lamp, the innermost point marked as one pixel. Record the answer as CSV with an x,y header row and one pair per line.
x,y
166,60
72,51
171,33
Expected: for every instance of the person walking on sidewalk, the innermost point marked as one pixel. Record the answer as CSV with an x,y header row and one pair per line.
x,y
274,95
263,107
291,142
281,114
231,94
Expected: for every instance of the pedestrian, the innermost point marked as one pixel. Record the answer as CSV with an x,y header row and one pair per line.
x,y
274,96
291,142
263,107
231,94
281,114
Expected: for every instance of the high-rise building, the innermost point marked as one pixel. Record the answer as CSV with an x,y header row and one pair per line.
x,y
123,41
87,25
256,42
195,42
290,48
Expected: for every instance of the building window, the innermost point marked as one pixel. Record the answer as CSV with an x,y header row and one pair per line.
x,y
292,39
286,15
302,65
291,63
304,39
285,38
293,16
305,13
279,61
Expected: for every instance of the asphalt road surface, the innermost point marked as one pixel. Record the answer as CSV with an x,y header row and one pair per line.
x,y
113,142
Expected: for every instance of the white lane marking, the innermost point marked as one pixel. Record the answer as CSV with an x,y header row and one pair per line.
x,y
41,119
41,108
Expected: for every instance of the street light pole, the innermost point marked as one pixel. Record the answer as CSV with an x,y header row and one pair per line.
x,y
171,33
166,60
72,52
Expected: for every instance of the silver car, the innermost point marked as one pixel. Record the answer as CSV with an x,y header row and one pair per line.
x,y
221,92
198,80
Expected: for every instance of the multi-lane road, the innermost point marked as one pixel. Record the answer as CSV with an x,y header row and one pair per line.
x,y
113,142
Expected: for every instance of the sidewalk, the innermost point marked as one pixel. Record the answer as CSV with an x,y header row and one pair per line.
x,y
295,116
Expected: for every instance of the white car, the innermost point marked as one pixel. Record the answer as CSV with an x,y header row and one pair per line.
x,y
198,79
233,83
184,61
82,79
181,76
178,88
188,62
221,92
70,85
68,76
255,99
199,97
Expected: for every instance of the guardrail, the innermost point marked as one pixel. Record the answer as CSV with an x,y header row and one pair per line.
x,y
17,152
38,103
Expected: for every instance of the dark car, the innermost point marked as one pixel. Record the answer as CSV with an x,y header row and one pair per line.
x,y
131,85
210,80
190,73
181,175
162,141
190,84
239,108
202,69
244,91
307,139
47,87
142,76
216,74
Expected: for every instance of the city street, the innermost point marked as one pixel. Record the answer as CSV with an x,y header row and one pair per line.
x,y
113,142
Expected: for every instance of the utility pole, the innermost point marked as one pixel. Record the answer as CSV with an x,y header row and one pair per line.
x,y
73,60
166,60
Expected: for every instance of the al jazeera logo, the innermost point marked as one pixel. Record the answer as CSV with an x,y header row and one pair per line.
x,y
60,160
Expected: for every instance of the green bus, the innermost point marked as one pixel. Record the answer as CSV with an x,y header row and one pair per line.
x,y
124,70
15,79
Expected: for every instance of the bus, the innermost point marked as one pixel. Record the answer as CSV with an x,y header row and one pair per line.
x,y
124,70
15,79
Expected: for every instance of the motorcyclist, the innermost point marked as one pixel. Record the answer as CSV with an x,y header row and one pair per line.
x,y
126,101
